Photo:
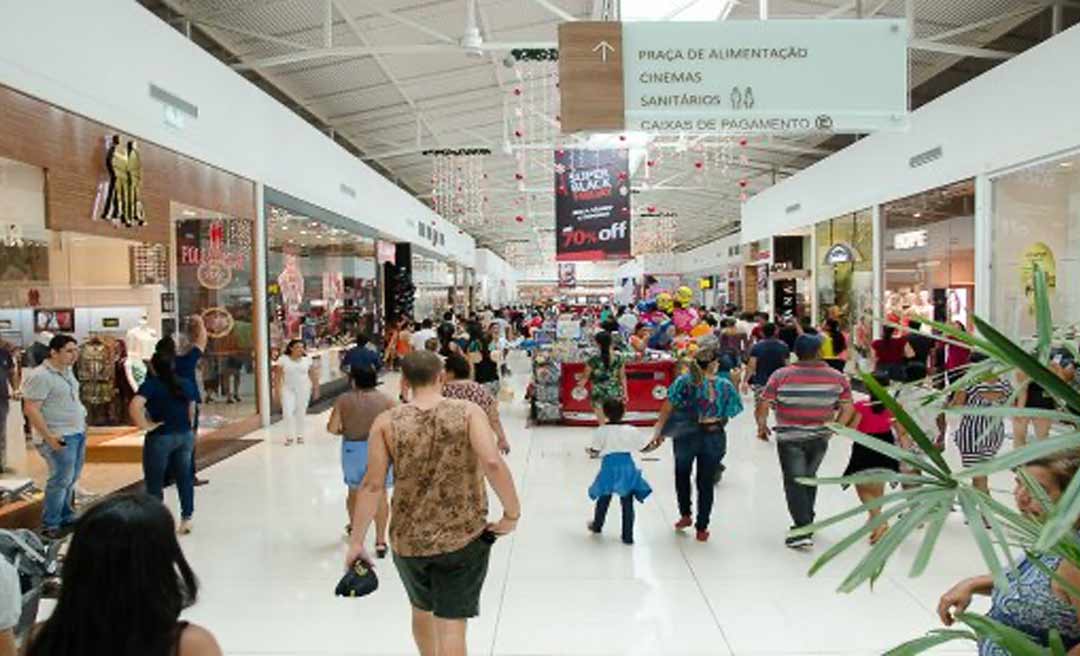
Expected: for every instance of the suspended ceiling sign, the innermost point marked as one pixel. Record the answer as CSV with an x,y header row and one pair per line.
x,y
776,76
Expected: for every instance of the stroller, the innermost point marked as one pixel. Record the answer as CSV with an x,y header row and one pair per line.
x,y
37,563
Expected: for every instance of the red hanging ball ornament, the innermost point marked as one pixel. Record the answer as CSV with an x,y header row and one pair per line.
x,y
518,133
743,183
622,175
743,142
560,152
562,190
650,163
699,165
519,218
651,209
518,176
517,92
622,137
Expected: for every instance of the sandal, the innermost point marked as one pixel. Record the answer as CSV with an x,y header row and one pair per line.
x,y
380,550
878,533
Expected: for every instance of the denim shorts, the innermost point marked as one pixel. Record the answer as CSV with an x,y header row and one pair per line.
x,y
354,462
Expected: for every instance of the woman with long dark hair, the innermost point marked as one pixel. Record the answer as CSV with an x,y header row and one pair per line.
x,y
164,407
891,352
126,581
296,382
606,372
834,347
485,370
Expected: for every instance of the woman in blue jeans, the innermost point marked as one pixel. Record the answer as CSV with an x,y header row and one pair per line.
x,y
164,407
698,407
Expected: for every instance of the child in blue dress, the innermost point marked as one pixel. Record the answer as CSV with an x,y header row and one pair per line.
x,y
619,474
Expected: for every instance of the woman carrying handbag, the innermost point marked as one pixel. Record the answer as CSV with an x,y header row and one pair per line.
x,y
695,415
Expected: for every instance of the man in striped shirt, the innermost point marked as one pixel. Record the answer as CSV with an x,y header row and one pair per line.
x,y
805,396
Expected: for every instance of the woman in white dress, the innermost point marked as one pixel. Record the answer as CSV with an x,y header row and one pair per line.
x,y
296,381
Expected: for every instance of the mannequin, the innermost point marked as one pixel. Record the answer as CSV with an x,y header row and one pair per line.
x,y
141,339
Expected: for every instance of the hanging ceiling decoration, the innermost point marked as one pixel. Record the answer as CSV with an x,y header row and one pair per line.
x,y
458,184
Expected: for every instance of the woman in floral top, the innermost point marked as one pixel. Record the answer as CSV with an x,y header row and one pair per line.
x,y
606,373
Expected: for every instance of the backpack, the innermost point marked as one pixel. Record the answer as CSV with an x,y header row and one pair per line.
x,y
35,561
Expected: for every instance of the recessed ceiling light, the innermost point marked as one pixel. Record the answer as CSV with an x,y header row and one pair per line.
x,y
1066,165
303,232
918,215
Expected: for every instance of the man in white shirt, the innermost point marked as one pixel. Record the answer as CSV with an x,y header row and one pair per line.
x,y
10,606
426,332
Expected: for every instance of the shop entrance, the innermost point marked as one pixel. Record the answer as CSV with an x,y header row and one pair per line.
x,y
929,256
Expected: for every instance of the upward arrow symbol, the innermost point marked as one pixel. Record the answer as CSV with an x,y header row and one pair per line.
x,y
604,47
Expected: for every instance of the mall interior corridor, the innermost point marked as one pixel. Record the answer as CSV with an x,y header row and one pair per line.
x,y
268,549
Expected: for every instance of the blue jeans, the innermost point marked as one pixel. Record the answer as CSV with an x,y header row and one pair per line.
x,y
65,466
801,459
600,515
170,452
707,449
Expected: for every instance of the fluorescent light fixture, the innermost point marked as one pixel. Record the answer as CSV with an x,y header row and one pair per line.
x,y
1066,165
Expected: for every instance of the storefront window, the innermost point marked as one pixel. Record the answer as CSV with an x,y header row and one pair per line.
x,y
845,272
214,274
1036,221
434,282
929,250
322,287
107,292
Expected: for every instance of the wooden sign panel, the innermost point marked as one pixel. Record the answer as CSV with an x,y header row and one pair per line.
x,y
591,76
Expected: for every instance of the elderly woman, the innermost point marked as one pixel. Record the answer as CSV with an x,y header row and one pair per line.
x,y
1034,603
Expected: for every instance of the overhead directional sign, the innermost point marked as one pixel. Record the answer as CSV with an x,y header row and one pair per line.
x,y
776,76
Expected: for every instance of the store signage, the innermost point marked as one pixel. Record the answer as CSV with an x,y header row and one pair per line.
x,y
122,203
840,253
110,322
776,76
705,283
567,274
386,252
905,241
592,205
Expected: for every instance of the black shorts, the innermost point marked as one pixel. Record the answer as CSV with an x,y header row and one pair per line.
x,y
447,585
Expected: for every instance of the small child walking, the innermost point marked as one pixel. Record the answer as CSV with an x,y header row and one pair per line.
x,y
619,474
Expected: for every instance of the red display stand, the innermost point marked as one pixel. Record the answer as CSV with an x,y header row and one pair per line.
x,y
647,383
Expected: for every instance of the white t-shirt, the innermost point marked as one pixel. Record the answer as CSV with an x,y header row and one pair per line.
x,y
10,595
420,338
620,438
628,322
296,371
913,399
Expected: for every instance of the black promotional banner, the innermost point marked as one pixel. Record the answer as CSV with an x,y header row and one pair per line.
x,y
592,205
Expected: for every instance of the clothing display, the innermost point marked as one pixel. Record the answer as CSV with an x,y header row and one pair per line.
x,y
141,340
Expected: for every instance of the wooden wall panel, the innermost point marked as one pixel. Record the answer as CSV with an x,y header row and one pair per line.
x,y
71,149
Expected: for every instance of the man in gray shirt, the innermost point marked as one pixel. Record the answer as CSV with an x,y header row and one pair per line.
x,y
58,417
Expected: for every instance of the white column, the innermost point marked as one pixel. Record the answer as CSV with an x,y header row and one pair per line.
x,y
878,222
262,332
984,247
763,9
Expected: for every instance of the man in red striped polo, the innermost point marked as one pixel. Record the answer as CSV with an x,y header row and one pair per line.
x,y
806,396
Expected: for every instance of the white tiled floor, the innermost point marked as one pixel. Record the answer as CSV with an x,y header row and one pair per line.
x,y
267,546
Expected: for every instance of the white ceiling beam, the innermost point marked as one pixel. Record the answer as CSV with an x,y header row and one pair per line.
x,y
359,34
963,51
554,9
986,22
339,52
328,24
389,15
484,24
269,38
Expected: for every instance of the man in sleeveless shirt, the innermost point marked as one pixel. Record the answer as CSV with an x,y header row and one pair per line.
x,y
442,451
